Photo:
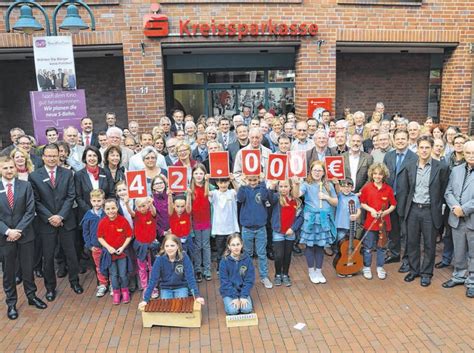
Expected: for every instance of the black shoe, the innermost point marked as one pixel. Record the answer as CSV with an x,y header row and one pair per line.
x,y
199,277
38,273
297,250
12,313
50,295
410,277
76,287
451,284
270,255
18,280
441,264
133,284
470,292
37,302
425,281
391,259
61,273
404,268
83,270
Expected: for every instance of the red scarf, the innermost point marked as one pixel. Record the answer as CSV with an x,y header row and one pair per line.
x,y
94,171
22,170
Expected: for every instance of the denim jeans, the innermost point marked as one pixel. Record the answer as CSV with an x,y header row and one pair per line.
x,y
188,246
280,236
259,236
174,293
202,253
370,242
118,273
230,310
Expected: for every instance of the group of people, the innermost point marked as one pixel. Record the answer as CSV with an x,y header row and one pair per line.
x,y
65,204
52,80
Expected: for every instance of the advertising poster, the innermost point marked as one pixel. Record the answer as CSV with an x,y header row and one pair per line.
x,y
54,63
316,106
56,109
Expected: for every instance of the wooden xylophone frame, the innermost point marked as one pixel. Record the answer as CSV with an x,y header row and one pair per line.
x,y
178,312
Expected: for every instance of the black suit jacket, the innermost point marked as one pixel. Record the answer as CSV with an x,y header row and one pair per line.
x,y
23,212
54,201
95,140
439,177
84,187
197,156
312,155
36,160
401,194
233,148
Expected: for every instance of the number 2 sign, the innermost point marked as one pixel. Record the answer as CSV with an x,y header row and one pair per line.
x,y
136,182
251,162
177,178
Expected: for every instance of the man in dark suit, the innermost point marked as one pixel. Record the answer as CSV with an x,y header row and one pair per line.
x,y
357,163
427,181
89,137
200,153
225,137
14,134
397,161
178,121
54,194
242,141
17,211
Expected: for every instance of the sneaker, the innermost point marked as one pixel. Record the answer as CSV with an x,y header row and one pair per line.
x,y
312,276
277,280
319,276
286,280
367,272
267,283
381,273
111,291
101,290
207,276
155,294
199,277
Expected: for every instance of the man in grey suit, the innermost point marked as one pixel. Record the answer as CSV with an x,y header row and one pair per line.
x,y
460,200
54,195
17,211
357,163
427,181
71,137
397,162
225,136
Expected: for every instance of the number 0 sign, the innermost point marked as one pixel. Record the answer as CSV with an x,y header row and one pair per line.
x,y
276,169
177,178
251,162
297,164
136,182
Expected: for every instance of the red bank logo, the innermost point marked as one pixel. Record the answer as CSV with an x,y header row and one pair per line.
x,y
154,24
157,25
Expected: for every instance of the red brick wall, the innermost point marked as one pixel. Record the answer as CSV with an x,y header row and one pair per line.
x,y
400,81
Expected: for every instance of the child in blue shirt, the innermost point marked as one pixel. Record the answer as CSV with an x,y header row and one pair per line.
x,y
253,218
173,271
343,216
237,277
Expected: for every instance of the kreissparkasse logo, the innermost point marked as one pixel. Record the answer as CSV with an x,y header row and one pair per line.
x,y
155,24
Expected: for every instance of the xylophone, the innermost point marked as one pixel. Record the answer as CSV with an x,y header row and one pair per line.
x,y
241,320
178,312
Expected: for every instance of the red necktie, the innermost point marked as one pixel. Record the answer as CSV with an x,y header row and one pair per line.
x,y
88,140
10,195
52,178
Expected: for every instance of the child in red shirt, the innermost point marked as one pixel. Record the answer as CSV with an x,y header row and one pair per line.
x,y
378,200
201,217
114,234
144,223
179,210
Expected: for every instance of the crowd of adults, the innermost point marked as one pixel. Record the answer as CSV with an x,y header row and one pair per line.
x,y
52,246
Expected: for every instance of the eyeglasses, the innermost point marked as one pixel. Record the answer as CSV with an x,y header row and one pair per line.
x,y
183,151
159,183
317,170
150,157
302,130
24,143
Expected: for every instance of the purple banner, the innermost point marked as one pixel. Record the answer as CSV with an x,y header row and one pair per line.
x,y
56,109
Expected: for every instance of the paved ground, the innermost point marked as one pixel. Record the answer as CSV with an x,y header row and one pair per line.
x,y
343,315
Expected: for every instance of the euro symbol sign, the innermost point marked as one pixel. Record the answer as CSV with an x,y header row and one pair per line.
x,y
335,167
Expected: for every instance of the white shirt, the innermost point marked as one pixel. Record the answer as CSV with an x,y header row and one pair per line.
x,y
95,183
136,162
224,217
6,182
55,172
297,145
353,164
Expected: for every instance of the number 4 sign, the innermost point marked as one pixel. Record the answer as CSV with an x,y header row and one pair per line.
x,y
177,178
276,169
136,182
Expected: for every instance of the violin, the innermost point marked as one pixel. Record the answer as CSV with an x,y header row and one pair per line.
x,y
348,260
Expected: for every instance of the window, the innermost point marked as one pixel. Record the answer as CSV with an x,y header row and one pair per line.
x,y
236,77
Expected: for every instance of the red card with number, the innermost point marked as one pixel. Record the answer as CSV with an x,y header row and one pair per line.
x,y
276,168
136,184
219,164
335,167
297,164
251,162
178,178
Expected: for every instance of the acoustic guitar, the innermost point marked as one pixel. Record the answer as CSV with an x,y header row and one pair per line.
x,y
348,260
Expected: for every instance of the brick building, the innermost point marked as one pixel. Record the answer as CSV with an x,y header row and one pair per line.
x,y
415,56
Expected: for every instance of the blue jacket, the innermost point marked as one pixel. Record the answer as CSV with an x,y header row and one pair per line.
x,y
141,249
253,213
237,277
89,224
172,275
274,198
